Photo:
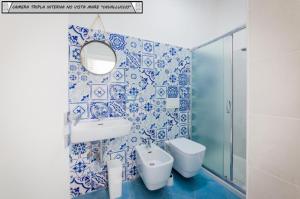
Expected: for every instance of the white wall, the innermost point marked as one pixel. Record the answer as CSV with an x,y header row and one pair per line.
x,y
183,23
33,84
229,14
274,100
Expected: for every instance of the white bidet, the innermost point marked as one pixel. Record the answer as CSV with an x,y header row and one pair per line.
x,y
154,166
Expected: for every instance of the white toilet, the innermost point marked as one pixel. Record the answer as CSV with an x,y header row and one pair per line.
x,y
188,156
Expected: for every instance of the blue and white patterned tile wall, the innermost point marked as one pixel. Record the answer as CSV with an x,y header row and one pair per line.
x,y
146,74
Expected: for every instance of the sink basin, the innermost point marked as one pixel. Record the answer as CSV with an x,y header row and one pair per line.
x,y
87,131
154,166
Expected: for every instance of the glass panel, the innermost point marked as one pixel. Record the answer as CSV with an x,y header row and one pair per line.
x,y
228,104
239,108
212,103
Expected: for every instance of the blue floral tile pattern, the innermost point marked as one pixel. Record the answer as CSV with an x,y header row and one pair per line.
x,y
184,105
161,92
148,61
172,78
172,92
160,63
184,130
148,46
117,41
99,91
117,92
133,107
118,75
146,74
74,53
117,108
184,92
79,148
172,51
183,117
132,92
98,110
183,79
133,60
161,134
79,109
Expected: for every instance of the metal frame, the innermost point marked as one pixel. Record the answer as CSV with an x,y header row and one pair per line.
x,y
228,184
220,37
102,42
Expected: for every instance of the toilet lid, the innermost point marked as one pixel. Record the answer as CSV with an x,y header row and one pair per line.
x,y
187,146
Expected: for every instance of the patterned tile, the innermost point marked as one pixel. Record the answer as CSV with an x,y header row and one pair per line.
x,y
183,117
73,77
184,130
99,92
183,79
98,180
184,105
77,34
172,92
79,109
132,77
133,60
148,47
74,54
184,92
99,110
132,107
173,79
118,75
160,64
147,73
161,134
132,92
79,92
147,61
117,41
173,131
117,92
116,108
160,92
131,172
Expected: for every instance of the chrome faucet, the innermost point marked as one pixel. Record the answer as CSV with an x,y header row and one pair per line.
x,y
148,144
77,119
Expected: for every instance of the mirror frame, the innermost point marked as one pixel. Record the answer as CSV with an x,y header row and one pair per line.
x,y
102,42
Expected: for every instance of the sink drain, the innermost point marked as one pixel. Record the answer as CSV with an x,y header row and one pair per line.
x,y
152,164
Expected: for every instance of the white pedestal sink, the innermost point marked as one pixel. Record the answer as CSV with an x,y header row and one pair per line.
x,y
87,131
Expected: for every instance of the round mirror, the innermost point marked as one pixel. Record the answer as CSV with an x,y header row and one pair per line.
x,y
98,57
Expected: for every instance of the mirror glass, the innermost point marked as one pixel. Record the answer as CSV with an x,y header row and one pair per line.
x,y
98,57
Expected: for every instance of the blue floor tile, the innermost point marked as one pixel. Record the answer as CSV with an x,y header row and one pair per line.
x,y
200,186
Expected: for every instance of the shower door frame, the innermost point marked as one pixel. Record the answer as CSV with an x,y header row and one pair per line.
x,y
230,181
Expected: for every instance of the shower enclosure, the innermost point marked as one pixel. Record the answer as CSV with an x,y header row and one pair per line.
x,y
219,105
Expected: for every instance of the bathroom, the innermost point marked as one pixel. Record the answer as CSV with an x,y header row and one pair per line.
x,y
193,102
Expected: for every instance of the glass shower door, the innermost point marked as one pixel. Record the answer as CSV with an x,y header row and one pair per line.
x,y
239,108
212,104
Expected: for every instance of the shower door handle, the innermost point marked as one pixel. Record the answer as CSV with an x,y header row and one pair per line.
x,y
228,106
